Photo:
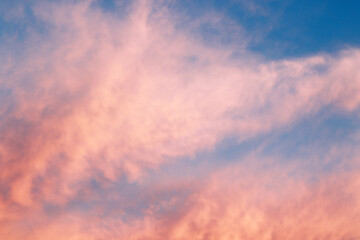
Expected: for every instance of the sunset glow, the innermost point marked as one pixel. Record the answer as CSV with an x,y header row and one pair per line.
x,y
179,120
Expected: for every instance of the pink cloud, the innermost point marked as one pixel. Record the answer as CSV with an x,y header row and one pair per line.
x,y
240,203
105,96
244,201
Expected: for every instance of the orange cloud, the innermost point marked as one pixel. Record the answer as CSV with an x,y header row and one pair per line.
x,y
245,201
102,97
240,203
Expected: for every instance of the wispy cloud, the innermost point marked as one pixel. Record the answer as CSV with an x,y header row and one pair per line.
x,y
100,97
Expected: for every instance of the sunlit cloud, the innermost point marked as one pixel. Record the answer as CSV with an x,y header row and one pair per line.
x,y
96,97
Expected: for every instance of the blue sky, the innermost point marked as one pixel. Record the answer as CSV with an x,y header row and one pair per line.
x,y
290,28
277,28
152,119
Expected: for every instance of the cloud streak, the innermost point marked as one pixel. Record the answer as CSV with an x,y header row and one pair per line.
x,y
100,97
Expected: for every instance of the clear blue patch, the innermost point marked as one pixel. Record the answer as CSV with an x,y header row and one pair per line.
x,y
279,29
117,8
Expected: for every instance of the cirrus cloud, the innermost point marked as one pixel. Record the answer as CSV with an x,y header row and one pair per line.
x,y
100,96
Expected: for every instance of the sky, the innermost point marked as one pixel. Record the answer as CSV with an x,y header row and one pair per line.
x,y
179,120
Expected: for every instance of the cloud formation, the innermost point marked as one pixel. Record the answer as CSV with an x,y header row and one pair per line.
x,y
95,96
